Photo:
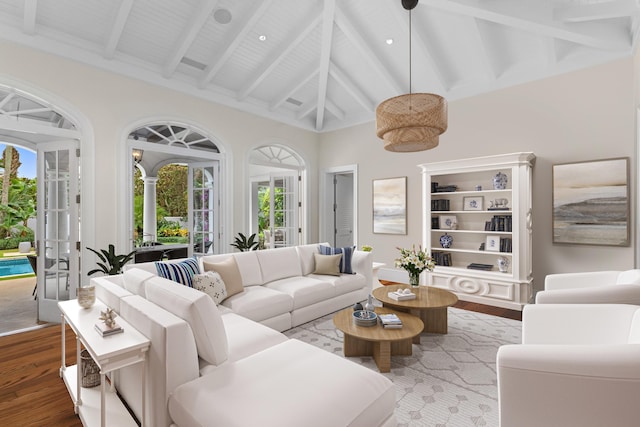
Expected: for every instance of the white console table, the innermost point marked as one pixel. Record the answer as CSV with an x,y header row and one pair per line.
x,y
97,405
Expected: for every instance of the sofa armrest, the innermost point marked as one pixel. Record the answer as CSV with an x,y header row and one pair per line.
x,y
577,323
561,386
580,280
608,294
362,262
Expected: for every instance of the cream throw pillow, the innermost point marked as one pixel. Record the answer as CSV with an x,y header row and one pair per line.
x,y
327,264
230,273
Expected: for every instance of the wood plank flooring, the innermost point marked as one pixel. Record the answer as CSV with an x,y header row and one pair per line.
x,y
32,392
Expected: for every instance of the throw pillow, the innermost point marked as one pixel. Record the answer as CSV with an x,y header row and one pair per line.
x,y
211,284
229,272
327,264
181,272
347,255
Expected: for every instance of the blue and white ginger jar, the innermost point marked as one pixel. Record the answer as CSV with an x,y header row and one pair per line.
x,y
446,241
500,181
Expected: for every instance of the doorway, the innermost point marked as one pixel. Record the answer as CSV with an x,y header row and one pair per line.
x,y
38,126
339,208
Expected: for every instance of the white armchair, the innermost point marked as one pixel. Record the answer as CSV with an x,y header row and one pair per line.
x,y
578,365
597,287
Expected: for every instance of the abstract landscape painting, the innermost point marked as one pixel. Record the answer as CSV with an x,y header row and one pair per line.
x,y
390,205
591,202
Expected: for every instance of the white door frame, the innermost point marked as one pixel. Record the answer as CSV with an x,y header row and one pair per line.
x,y
326,201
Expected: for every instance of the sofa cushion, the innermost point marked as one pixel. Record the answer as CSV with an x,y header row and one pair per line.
x,y
307,261
211,284
343,284
263,389
181,272
228,270
304,290
198,310
133,280
247,264
247,337
279,263
259,303
327,264
347,255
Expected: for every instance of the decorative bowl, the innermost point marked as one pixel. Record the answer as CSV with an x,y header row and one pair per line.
x,y
365,318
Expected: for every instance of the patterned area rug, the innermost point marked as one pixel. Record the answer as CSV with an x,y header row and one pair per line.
x,y
450,380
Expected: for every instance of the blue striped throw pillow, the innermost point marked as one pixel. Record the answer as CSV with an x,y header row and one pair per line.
x,y
345,261
181,272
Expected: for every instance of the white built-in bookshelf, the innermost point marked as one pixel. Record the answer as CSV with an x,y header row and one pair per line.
x,y
488,226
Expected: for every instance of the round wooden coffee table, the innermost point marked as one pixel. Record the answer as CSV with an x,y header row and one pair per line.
x,y
377,341
430,305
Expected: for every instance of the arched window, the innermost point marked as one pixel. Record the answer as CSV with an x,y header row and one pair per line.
x,y
158,228
277,177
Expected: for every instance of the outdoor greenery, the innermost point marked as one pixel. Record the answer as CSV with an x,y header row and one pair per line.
x,y
17,201
264,208
171,201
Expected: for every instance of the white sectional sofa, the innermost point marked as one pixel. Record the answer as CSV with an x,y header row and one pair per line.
x,y
229,365
280,289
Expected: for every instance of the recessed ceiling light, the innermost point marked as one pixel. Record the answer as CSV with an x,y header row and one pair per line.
x,y
389,41
222,16
262,37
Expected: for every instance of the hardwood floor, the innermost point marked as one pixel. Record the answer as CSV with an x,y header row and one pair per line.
x,y
32,392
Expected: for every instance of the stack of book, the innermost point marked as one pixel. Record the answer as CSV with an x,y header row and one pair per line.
x,y
401,295
105,331
390,321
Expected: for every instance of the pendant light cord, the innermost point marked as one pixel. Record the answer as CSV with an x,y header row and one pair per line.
x,y
410,88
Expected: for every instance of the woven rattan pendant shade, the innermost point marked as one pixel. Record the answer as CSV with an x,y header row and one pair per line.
x,y
411,122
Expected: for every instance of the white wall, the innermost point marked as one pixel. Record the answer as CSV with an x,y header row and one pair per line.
x,y
112,103
578,116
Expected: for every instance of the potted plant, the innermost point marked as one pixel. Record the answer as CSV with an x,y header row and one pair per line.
x,y
242,243
110,264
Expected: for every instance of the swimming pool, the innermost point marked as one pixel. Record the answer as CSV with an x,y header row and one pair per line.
x,y
15,267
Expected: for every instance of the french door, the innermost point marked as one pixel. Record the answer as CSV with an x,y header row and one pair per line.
x,y
58,231
284,208
204,218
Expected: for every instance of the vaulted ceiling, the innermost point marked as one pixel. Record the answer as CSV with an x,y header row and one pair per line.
x,y
326,64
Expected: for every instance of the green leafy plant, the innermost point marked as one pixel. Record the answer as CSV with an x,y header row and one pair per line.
x,y
111,263
243,244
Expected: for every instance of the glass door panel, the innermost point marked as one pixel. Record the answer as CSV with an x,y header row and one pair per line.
x,y
204,208
58,263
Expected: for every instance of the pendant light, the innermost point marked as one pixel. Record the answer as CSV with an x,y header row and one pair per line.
x,y
414,121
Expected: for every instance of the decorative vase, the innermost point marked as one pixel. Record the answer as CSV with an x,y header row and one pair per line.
x,y
503,264
357,307
87,296
500,181
446,241
414,278
368,306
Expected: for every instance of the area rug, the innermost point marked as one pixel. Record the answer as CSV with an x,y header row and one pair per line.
x,y
449,381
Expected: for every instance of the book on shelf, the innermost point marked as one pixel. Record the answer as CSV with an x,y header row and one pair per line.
x,y
478,266
104,330
390,320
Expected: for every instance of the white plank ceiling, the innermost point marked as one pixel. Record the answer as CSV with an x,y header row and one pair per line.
x,y
326,64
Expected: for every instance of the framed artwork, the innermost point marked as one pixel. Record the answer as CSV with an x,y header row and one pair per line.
x,y
591,202
475,203
492,244
448,222
390,205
